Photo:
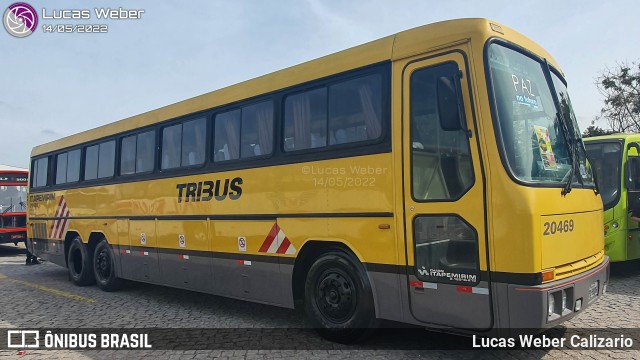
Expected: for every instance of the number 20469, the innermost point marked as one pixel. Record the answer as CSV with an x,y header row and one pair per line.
x,y
554,227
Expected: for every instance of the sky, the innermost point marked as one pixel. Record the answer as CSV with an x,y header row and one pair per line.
x,y
53,85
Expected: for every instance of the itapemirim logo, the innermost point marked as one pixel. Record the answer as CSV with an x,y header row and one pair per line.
x,y
20,19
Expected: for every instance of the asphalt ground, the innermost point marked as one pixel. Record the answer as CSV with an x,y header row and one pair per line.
x,y
41,297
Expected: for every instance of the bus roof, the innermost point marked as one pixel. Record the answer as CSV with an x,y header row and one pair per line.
x,y
617,136
7,168
401,45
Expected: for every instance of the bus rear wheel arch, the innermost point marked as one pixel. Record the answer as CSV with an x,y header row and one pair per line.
x,y
79,263
104,267
338,297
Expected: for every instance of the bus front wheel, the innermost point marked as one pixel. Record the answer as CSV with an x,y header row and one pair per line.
x,y
79,263
338,298
104,267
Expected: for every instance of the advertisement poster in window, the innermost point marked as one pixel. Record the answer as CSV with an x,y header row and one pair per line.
x,y
546,152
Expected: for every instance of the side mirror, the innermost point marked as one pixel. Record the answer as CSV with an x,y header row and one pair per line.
x,y
450,107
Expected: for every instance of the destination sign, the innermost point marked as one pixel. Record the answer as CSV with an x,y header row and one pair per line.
x,y
13,178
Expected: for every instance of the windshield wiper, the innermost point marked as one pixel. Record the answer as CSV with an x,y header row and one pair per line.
x,y
571,147
573,157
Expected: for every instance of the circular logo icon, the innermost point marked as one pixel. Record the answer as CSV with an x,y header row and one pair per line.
x,y
20,19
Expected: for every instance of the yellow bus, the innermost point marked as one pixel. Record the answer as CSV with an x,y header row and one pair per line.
x,y
434,177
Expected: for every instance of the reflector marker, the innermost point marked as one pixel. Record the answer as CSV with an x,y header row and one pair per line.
x,y
243,262
473,290
277,242
144,253
183,257
481,291
423,285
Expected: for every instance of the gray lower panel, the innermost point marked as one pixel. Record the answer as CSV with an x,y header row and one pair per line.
x,y
452,305
141,265
251,280
387,294
52,251
186,271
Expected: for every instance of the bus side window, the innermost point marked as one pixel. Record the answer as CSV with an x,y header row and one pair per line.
x,y
257,129
145,151
40,171
193,142
305,120
61,168
226,137
171,146
355,110
441,159
128,155
634,173
91,162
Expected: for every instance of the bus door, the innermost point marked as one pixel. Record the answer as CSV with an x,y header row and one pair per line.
x,y
632,183
443,195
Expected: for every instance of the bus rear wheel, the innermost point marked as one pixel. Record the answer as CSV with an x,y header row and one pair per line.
x,y
338,298
79,263
104,267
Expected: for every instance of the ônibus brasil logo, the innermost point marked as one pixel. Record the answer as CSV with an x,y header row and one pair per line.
x,y
20,19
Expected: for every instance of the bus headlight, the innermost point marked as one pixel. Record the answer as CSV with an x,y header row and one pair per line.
x,y
615,225
552,305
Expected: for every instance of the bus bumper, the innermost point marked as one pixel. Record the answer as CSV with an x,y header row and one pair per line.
x,y
9,236
547,305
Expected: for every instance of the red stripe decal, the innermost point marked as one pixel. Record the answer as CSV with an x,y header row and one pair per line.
x,y
284,246
272,235
60,211
62,224
466,289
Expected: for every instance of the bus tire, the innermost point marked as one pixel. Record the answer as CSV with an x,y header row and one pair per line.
x,y
79,263
338,298
104,268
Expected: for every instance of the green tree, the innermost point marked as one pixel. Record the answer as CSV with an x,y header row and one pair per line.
x,y
621,90
595,131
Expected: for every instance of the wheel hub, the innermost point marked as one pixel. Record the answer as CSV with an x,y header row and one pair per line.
x,y
336,296
104,264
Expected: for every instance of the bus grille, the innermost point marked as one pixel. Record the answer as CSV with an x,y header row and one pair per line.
x,y
567,270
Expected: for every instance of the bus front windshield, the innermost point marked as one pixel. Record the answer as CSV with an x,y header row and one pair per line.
x,y
606,159
13,199
540,144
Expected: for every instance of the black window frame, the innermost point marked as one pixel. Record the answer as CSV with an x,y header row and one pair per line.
x,y
493,108
240,106
84,159
79,165
327,84
180,121
382,144
35,172
469,140
429,278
